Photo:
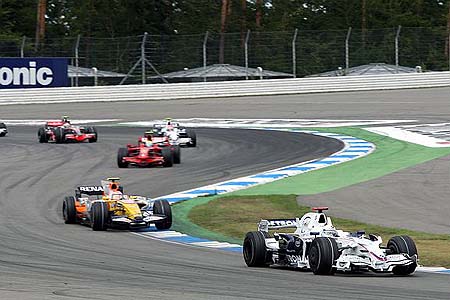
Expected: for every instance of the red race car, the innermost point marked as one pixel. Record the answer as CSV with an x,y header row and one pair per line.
x,y
145,154
63,132
162,141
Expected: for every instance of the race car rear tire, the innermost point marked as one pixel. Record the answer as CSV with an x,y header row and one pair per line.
x,y
176,154
123,152
42,135
322,255
168,157
403,244
60,135
92,129
99,216
191,134
254,250
69,210
162,207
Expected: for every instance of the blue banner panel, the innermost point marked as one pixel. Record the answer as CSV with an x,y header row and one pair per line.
x,y
33,72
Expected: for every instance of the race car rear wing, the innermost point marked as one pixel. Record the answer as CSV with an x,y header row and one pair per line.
x,y
266,225
90,190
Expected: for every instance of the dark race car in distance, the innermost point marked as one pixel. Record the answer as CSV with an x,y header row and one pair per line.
x,y
63,132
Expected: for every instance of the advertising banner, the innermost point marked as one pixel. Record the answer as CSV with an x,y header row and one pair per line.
x,y
33,72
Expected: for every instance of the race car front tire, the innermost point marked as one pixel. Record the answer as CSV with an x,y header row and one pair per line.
x,y
322,255
60,135
92,129
191,134
69,210
42,135
123,152
176,154
99,216
167,156
254,250
162,207
403,244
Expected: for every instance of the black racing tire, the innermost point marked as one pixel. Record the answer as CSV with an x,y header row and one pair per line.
x,y
42,135
254,250
99,216
123,152
322,255
2,126
403,244
92,129
193,136
162,207
69,211
168,157
176,150
60,135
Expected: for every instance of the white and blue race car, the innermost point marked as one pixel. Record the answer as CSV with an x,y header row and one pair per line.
x,y
177,134
317,245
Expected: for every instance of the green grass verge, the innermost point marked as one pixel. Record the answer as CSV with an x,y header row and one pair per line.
x,y
183,223
390,156
234,216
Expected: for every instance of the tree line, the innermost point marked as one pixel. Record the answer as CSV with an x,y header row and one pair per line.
x,y
115,18
177,29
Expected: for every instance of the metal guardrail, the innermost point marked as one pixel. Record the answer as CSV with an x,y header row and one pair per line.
x,y
224,88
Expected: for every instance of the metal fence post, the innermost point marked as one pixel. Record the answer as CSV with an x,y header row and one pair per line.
x,y
448,50
22,47
397,36
143,60
95,73
205,40
347,56
71,78
77,45
294,54
246,53
260,72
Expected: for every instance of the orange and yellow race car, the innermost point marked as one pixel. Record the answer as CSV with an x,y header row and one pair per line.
x,y
106,206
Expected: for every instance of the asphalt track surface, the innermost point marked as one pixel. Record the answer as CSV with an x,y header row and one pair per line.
x,y
425,105
41,258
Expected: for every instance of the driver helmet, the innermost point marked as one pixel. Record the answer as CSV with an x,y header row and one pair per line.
x,y
149,134
147,142
65,119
